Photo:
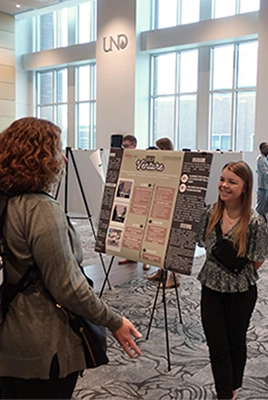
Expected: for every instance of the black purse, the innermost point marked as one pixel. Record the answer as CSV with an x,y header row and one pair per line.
x,y
225,252
93,336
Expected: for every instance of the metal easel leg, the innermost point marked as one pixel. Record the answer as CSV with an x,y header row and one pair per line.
x,y
177,296
107,272
89,216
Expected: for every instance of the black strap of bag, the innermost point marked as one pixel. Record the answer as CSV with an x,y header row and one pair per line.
x,y
7,291
218,230
225,252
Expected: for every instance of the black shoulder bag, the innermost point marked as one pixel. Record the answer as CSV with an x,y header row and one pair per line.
x,y
225,252
93,336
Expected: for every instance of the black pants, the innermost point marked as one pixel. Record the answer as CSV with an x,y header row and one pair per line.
x,y
53,388
225,319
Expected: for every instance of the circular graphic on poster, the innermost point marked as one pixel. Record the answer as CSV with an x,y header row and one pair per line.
x,y
182,188
184,178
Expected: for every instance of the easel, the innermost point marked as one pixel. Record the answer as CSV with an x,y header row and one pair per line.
x,y
162,280
68,152
106,279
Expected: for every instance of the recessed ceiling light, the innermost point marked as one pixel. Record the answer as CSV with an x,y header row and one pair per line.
x,y
18,5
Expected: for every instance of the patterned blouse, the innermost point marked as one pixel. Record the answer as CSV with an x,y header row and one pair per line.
x,y
213,274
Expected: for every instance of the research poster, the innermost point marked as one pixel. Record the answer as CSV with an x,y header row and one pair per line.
x,y
151,206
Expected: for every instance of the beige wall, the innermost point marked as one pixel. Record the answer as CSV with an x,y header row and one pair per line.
x,y
7,70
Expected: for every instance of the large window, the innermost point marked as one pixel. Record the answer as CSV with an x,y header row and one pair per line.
x,y
67,26
225,8
175,12
174,98
55,100
232,96
53,30
86,22
52,89
169,13
86,107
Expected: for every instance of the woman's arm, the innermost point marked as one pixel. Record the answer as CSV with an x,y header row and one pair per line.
x,y
258,241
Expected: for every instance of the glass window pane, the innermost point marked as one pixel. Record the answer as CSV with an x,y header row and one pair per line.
x,y
249,5
166,15
188,71
84,23
93,82
62,31
93,134
83,126
62,85
83,83
45,87
245,121
221,118
165,74
187,122
223,67
163,115
247,64
190,11
62,122
46,35
224,8
46,112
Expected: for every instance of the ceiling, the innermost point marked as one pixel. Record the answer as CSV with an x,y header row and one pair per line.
x,y
9,6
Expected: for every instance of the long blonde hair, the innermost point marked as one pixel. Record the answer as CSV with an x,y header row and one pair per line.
x,y
243,171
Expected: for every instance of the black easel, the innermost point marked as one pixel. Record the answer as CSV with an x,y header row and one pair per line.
x,y
68,152
106,279
162,280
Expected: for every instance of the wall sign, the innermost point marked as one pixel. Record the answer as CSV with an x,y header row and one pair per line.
x,y
119,42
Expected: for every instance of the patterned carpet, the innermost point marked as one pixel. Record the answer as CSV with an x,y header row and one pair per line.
x,y
146,377
87,240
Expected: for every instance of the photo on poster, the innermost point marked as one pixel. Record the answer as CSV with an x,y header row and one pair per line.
x,y
124,189
119,213
114,239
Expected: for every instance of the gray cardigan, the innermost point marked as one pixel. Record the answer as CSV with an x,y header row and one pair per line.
x,y
37,232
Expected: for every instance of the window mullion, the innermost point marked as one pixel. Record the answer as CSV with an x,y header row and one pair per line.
x,y
234,97
176,133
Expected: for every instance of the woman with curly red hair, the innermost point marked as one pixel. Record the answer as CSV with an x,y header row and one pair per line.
x,y
40,355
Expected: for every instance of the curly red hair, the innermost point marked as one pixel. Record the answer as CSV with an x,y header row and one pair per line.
x,y
31,157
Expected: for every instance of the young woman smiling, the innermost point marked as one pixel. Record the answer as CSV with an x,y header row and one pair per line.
x,y
228,298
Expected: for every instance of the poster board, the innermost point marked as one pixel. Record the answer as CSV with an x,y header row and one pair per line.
x,y
151,206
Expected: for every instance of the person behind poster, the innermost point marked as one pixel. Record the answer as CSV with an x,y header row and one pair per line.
x,y
262,172
129,142
172,279
228,298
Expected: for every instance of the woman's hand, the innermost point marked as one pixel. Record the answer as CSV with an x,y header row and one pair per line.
x,y
124,337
